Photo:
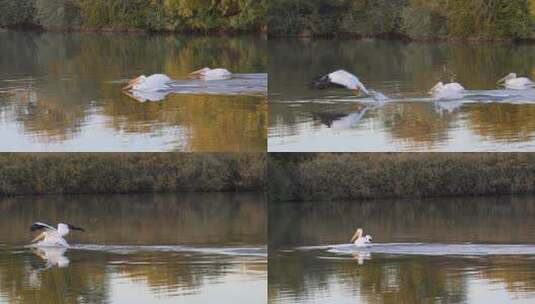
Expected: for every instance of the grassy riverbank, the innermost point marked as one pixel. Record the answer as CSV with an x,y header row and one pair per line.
x,y
220,16
313,177
73,173
410,19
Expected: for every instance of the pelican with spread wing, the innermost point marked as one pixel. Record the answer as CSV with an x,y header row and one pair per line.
x,y
341,78
50,236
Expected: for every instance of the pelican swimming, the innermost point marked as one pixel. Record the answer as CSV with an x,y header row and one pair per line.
x,y
513,82
360,240
211,74
451,90
152,83
341,78
52,237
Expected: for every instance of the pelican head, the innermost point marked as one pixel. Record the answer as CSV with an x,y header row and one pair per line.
x,y
357,234
506,78
63,229
135,81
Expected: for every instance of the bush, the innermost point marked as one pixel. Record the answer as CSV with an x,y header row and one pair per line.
x,y
414,18
424,19
215,15
180,15
57,14
16,13
355,176
123,14
62,173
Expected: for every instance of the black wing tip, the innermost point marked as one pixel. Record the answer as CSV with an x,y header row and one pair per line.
x,y
36,226
321,82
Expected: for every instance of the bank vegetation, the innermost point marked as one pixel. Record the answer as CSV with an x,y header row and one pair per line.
x,y
204,16
414,19
77,173
356,176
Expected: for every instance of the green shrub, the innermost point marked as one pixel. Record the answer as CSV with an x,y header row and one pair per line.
x,y
424,19
123,14
207,15
57,14
489,19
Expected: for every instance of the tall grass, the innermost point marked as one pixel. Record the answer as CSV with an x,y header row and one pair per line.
x,y
354,176
150,15
421,19
61,173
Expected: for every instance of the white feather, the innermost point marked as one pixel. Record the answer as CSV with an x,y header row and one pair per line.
x,y
153,83
447,91
348,80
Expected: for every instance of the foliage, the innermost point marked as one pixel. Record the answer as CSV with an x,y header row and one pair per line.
x,y
15,13
424,19
180,15
57,14
488,19
124,14
368,18
354,176
22,173
208,15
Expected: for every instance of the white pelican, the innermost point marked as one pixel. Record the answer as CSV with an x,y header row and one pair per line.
x,y
211,74
360,240
152,83
451,90
52,237
341,78
53,256
516,83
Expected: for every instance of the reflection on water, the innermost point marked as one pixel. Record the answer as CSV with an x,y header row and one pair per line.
x,y
62,92
302,119
137,249
325,271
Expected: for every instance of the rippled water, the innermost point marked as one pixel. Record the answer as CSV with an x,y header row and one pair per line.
x,y
137,249
62,92
304,119
462,250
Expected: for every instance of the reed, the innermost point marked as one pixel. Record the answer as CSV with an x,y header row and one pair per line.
x,y
136,15
414,19
354,176
76,173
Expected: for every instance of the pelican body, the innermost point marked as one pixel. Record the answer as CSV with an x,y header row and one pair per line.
x,y
447,91
359,240
152,83
52,237
53,256
211,74
340,78
513,82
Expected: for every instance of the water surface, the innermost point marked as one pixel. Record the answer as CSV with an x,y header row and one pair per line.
x,y
464,250
62,92
303,119
137,249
